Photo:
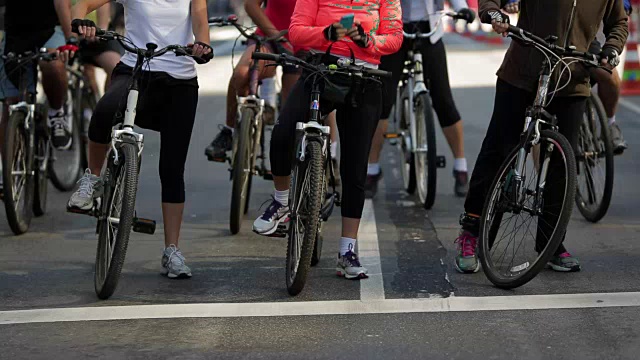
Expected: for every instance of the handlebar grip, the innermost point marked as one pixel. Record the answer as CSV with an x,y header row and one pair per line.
x,y
76,25
265,56
380,73
215,20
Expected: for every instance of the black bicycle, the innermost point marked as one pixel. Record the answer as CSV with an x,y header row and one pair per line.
x,y
594,157
248,136
311,200
28,155
114,205
521,226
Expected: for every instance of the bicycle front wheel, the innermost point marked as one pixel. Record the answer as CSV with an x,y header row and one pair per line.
x,y
41,176
425,155
407,163
242,170
594,163
114,228
521,227
305,203
17,163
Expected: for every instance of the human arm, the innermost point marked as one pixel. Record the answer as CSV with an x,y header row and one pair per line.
x,y
63,10
388,39
616,27
302,32
200,23
103,15
489,11
257,14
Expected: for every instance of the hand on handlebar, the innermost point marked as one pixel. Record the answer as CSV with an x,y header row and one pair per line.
x,y
201,52
512,7
609,57
498,20
66,52
85,28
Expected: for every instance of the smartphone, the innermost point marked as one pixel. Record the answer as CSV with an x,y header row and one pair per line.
x,y
347,21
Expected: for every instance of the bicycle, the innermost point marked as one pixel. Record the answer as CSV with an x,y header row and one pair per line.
x,y
414,118
594,157
311,201
27,152
248,145
114,203
519,187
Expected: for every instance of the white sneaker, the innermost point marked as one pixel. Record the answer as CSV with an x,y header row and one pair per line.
x,y
349,266
173,264
268,222
90,188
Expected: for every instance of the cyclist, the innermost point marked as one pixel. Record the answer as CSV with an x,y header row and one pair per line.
x,y
167,103
377,31
515,90
31,25
433,52
608,84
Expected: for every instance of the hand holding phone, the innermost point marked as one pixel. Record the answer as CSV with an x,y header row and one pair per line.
x,y
347,21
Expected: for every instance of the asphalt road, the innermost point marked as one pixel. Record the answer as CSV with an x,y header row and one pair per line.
x,y
236,306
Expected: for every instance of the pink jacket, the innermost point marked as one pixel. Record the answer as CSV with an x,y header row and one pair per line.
x,y
382,19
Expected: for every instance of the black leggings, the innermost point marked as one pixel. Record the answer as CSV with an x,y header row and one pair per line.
x,y
503,135
165,104
434,59
356,126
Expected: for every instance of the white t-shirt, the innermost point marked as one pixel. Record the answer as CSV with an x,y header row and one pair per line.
x,y
163,22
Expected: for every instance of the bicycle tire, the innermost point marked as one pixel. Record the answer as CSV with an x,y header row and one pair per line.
x,y
41,175
242,171
64,179
120,186
597,212
563,220
407,170
16,147
317,247
311,197
426,187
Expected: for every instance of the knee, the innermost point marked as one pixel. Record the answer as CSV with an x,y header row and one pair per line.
x,y
240,77
101,123
172,181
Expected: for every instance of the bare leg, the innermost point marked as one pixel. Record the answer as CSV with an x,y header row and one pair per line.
x,y
455,137
378,141
172,218
609,92
97,154
282,182
108,61
54,82
90,74
350,227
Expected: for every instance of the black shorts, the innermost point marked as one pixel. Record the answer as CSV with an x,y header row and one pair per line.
x,y
89,51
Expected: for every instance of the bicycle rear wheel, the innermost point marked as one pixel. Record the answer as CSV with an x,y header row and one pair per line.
x,y
242,170
88,105
305,204
65,167
425,155
511,251
17,164
41,175
114,228
594,163
407,164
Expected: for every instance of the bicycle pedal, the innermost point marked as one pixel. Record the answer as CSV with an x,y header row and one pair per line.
x,y
79,211
441,161
391,135
217,159
144,226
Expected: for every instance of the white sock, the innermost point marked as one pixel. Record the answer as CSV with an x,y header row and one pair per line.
x,y
229,127
334,150
373,169
347,244
54,112
612,120
460,164
282,197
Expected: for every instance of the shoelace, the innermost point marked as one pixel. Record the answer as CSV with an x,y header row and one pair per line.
x,y
86,185
467,243
272,209
351,257
175,252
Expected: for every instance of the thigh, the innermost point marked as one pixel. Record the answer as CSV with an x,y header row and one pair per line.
x,y
569,111
393,63
178,117
112,103
434,57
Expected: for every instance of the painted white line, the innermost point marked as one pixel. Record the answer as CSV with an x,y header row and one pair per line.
x,y
369,252
630,106
395,306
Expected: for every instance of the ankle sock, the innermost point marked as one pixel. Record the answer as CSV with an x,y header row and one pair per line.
x,y
334,150
373,169
282,197
347,244
55,112
612,120
460,164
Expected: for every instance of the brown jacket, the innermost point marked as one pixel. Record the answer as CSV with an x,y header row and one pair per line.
x,y
521,65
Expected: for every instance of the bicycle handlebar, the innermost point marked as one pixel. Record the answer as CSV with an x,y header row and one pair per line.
x,y
418,35
232,20
30,56
348,68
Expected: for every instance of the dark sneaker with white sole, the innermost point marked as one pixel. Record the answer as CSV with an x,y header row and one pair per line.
x,y
371,185
349,266
461,186
619,144
60,126
217,150
564,262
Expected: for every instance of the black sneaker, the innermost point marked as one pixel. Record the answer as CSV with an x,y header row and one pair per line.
x,y
60,127
461,186
371,185
619,145
217,150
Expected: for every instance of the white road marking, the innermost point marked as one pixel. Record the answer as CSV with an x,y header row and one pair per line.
x,y
630,106
394,306
369,252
